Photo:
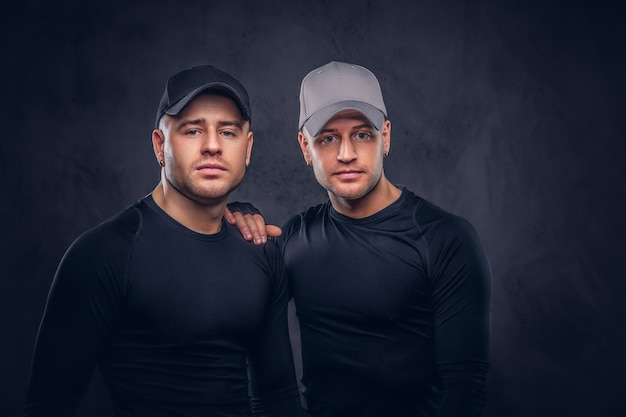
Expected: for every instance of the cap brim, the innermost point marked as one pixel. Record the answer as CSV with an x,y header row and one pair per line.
x,y
177,107
318,120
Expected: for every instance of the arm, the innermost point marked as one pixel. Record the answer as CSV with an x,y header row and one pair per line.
x,y
250,222
271,368
462,314
79,313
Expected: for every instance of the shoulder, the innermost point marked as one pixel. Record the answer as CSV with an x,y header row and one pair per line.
x,y
436,220
110,237
444,233
305,218
452,225
451,240
235,240
310,215
100,254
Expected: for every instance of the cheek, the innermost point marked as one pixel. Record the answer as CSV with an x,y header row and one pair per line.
x,y
173,152
238,154
168,153
174,148
323,156
321,167
319,174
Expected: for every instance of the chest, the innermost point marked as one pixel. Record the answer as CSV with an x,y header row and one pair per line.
x,y
374,277
195,291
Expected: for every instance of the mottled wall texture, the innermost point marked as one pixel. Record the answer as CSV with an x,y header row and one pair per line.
x,y
511,114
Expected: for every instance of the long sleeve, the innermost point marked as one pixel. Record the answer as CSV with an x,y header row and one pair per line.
x,y
461,281
271,367
81,308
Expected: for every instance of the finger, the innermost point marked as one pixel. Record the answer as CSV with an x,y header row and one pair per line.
x,y
242,225
228,216
265,230
257,226
273,231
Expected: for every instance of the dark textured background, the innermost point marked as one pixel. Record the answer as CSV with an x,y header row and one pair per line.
x,y
511,114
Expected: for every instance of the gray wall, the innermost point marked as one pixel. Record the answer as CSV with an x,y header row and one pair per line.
x,y
508,113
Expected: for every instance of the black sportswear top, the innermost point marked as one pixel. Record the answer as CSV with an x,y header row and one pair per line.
x,y
172,317
394,311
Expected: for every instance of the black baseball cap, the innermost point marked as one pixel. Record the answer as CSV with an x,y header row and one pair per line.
x,y
184,86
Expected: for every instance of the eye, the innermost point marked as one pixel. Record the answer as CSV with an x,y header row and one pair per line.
x,y
228,133
192,132
362,136
327,139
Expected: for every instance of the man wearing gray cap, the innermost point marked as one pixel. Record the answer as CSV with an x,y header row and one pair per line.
x,y
392,293
180,313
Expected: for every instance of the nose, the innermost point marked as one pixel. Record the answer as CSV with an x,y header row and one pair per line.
x,y
212,144
346,151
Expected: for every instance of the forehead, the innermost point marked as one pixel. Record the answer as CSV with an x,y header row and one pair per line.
x,y
212,102
349,115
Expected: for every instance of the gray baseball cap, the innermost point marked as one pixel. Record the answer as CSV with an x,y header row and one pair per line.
x,y
335,87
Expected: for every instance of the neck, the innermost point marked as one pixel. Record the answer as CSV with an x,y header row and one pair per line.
x,y
379,197
205,218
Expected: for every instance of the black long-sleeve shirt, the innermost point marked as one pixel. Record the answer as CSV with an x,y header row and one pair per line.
x,y
394,311
174,319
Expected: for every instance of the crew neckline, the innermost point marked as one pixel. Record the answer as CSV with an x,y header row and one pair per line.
x,y
379,215
148,200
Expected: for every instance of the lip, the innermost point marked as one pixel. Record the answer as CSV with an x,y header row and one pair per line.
x,y
211,169
348,174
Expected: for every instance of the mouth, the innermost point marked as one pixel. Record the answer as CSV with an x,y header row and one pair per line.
x,y
211,169
348,174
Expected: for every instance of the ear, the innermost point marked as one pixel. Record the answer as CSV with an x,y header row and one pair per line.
x,y
386,132
304,146
158,141
249,149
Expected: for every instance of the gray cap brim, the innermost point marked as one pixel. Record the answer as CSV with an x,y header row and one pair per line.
x,y
317,121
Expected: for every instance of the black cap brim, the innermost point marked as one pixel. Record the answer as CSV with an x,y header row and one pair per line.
x,y
177,107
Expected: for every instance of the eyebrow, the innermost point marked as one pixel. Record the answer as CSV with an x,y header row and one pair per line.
x,y
361,126
236,123
221,123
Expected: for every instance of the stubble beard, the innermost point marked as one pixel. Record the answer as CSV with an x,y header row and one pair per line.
x,y
203,195
347,192
351,193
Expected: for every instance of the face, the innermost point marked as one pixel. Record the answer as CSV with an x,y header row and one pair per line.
x,y
347,155
206,148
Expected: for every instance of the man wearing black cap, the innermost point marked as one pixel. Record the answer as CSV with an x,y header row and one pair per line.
x,y
392,293
171,303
